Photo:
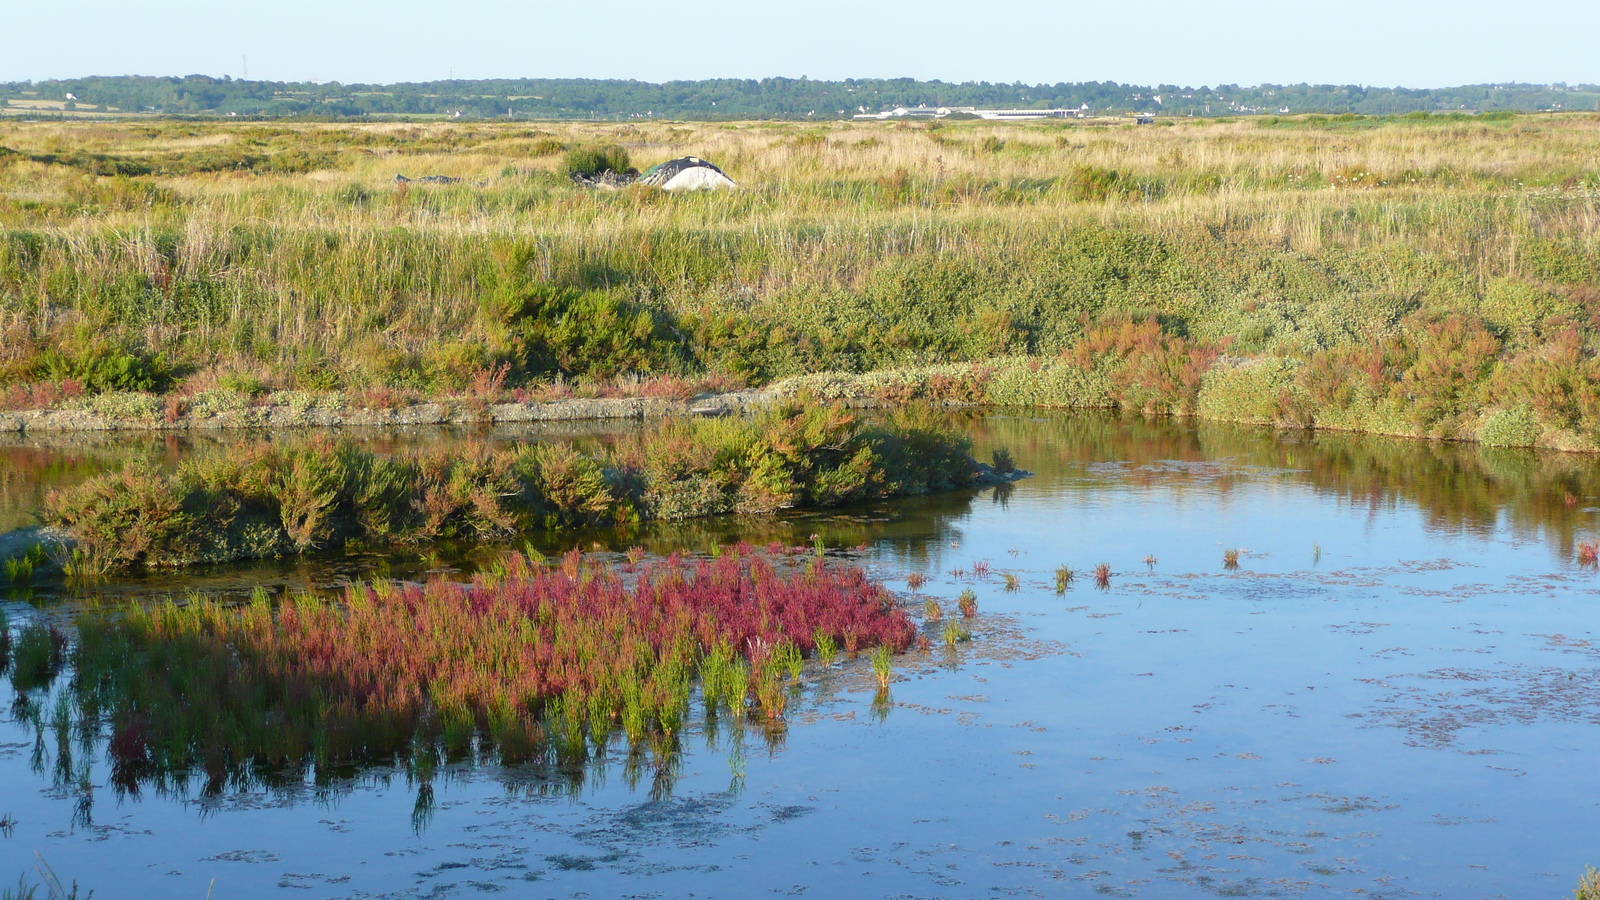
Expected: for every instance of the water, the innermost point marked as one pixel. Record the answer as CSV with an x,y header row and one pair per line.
x,y
1397,693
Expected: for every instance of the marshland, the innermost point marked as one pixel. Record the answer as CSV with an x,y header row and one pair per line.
x,y
1198,506
1421,275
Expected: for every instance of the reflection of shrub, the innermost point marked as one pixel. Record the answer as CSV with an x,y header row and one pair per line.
x,y
37,656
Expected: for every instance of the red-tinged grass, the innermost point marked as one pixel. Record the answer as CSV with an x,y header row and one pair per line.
x,y
1102,576
916,580
536,662
968,604
1588,553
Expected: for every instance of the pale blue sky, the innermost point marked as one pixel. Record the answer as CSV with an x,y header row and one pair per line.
x,y
1378,42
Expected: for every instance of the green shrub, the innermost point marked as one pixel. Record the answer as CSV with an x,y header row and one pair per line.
x,y
286,498
1054,383
593,334
1252,391
101,368
590,161
1514,427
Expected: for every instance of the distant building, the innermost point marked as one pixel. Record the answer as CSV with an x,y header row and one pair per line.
x,y
940,112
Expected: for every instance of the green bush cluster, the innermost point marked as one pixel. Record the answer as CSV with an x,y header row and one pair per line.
x,y
282,499
1258,391
590,161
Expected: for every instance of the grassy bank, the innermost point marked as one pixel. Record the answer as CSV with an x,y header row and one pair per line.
x,y
278,499
1431,277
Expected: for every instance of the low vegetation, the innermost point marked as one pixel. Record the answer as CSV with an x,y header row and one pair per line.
x,y
534,662
280,499
1429,277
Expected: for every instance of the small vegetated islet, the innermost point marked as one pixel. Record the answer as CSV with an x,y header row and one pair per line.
x,y
536,661
279,499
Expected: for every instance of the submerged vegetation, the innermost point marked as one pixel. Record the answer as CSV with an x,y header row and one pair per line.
x,y
533,663
1416,276
276,499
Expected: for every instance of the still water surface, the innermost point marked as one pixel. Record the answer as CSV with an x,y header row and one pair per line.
x,y
1397,693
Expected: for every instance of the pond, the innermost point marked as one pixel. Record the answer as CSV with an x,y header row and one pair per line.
x,y
1395,692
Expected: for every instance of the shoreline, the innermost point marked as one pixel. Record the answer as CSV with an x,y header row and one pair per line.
x,y
317,415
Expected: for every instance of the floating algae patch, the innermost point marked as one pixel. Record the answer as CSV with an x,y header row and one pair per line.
x,y
536,666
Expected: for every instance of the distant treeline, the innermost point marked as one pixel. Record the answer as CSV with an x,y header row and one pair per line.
x,y
767,98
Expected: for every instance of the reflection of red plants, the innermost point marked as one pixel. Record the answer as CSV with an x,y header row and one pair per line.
x,y
1588,553
535,641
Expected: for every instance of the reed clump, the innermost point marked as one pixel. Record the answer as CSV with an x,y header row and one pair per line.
x,y
1230,559
1064,577
1102,576
281,499
538,663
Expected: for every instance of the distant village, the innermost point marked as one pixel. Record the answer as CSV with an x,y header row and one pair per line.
x,y
940,112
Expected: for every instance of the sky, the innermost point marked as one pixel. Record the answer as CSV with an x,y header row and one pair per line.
x,y
1407,43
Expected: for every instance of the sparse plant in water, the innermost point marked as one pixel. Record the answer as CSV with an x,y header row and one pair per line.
x,y
956,632
635,555
20,569
967,603
883,664
980,568
1588,553
1064,576
786,656
1230,559
1102,576
1150,561
819,546
827,648
931,611
916,580
1012,582
1316,553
